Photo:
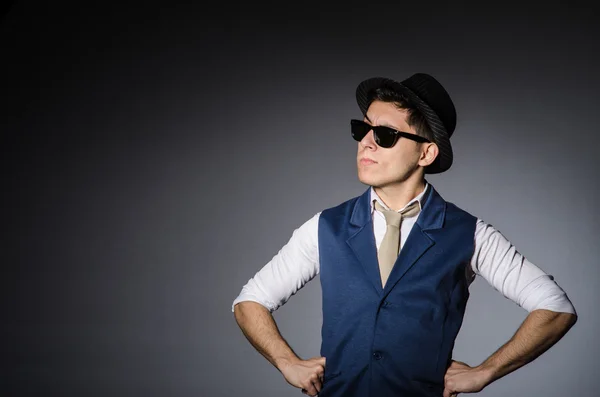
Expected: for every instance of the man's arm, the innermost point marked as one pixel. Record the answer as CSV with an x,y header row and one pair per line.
x,y
259,327
551,313
294,265
540,330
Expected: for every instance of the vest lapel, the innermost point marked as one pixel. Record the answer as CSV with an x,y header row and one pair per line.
x,y
362,239
419,240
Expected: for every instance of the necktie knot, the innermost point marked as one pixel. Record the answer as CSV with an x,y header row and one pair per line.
x,y
394,218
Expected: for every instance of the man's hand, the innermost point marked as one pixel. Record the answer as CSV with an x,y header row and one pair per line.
x,y
461,378
305,374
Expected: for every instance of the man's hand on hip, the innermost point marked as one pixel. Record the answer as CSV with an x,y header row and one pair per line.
x,y
462,378
305,374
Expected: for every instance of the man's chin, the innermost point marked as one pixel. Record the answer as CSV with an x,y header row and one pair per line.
x,y
369,181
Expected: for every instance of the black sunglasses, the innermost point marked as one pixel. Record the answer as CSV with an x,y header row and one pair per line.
x,y
385,137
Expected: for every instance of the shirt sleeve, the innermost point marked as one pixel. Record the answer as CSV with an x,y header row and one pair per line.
x,y
506,270
296,263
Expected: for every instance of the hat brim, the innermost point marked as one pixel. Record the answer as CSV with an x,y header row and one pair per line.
x,y
444,159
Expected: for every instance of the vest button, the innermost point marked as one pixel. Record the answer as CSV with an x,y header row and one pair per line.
x,y
377,355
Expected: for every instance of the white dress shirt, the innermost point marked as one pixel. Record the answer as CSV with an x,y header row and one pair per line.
x,y
494,258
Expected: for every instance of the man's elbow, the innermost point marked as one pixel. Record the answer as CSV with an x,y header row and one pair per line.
x,y
244,309
240,308
568,319
571,319
565,321
562,321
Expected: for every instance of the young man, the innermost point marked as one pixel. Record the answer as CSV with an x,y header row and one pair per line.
x,y
395,265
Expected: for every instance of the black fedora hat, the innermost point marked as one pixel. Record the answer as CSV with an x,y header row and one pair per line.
x,y
431,99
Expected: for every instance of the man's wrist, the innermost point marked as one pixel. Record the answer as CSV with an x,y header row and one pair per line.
x,y
281,363
487,372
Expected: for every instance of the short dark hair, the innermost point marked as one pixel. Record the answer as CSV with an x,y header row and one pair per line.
x,y
415,119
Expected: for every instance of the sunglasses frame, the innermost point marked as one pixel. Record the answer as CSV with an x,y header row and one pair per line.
x,y
380,129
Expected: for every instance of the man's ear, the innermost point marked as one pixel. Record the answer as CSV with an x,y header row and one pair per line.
x,y
429,152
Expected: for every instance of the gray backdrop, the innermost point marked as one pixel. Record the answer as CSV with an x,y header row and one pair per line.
x,y
139,141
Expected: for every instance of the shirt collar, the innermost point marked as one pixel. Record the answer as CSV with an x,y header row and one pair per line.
x,y
419,198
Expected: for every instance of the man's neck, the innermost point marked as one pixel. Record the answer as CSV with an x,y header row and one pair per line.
x,y
396,196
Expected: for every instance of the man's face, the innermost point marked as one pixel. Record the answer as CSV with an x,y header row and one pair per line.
x,y
388,165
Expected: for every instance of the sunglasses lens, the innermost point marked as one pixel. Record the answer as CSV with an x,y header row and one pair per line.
x,y
359,129
384,136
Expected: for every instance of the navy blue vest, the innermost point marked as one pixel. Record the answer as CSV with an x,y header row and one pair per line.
x,y
398,340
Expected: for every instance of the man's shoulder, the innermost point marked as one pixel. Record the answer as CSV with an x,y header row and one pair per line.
x,y
456,213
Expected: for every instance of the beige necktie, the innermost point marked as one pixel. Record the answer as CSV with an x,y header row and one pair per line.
x,y
390,245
